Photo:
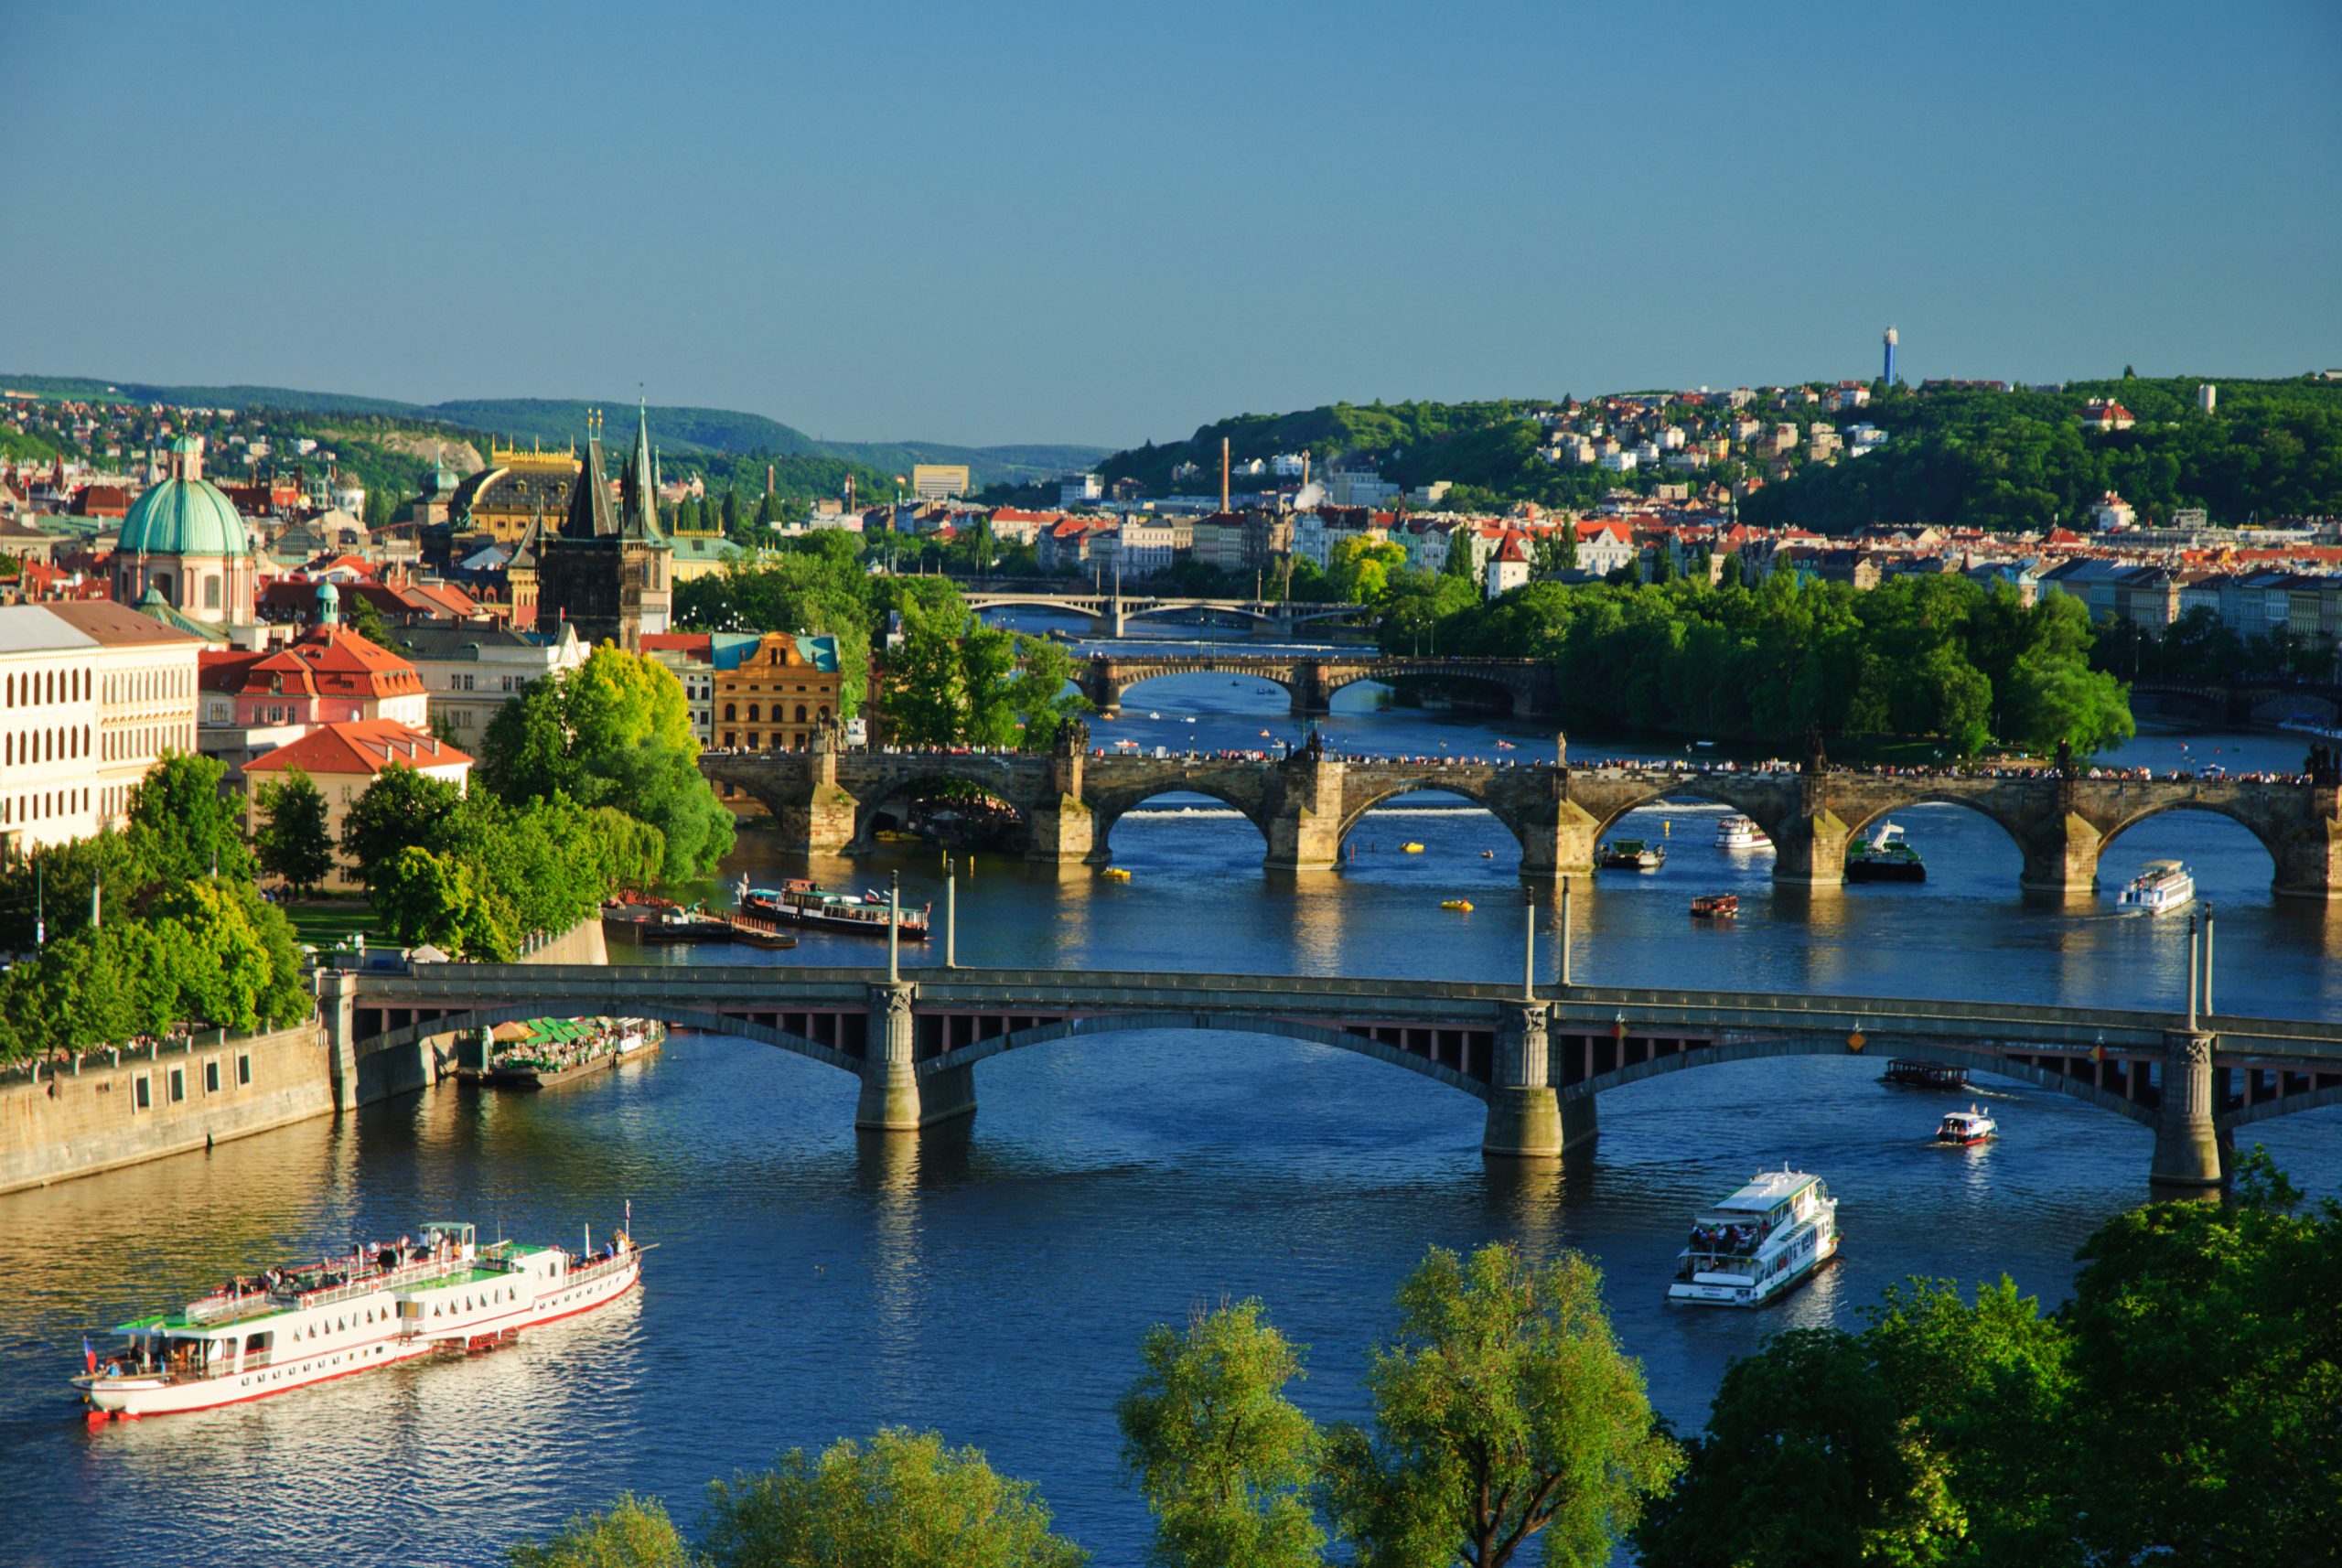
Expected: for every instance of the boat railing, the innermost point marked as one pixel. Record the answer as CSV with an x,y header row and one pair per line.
x,y
490,1259
589,1273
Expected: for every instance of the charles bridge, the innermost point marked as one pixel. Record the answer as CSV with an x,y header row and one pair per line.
x,y
1536,1057
828,801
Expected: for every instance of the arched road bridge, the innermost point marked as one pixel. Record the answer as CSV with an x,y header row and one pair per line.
x,y
1111,611
1538,1062
1524,685
827,801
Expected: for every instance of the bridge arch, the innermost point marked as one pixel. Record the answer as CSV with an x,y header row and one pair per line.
x,y
1209,1023
1989,811
1757,807
1108,808
2259,831
1154,608
2283,1105
1430,782
1338,677
557,1006
934,771
1814,1044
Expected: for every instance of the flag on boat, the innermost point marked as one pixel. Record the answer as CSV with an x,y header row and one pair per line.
x,y
89,1356
872,895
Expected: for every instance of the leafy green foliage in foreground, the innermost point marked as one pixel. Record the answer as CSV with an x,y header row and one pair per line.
x,y
142,937
1937,657
2179,1410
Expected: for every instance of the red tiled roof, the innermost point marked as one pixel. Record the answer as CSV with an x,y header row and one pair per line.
x,y
361,746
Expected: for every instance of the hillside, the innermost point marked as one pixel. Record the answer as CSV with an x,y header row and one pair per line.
x,y
2013,460
680,430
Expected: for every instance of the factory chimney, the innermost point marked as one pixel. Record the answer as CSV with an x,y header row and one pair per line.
x,y
1223,473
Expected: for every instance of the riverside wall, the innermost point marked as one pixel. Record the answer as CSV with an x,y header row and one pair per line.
x,y
58,1121
120,1108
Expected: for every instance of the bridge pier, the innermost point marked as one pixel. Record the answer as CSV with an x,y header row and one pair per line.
x,y
1813,852
1061,828
1561,846
1527,1120
2187,1144
894,1098
1306,826
338,1021
2309,862
2064,861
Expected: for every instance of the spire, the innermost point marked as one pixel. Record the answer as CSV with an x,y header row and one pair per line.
x,y
639,518
590,513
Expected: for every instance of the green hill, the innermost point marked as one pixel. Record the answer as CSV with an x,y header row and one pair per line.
x,y
680,430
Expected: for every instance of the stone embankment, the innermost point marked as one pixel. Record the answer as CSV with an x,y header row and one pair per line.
x,y
115,1107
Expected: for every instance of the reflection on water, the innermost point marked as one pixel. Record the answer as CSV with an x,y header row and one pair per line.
x,y
992,1279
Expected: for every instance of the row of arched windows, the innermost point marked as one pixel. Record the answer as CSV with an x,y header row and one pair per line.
x,y
147,685
32,687
48,804
47,744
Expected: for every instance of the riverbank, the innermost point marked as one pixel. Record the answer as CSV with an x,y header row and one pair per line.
x,y
106,1109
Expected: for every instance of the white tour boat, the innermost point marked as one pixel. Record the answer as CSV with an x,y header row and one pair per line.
x,y
1760,1243
2161,885
1968,1126
1736,832
291,1328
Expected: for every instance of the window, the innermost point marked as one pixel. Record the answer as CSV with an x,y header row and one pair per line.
x,y
141,1092
243,1069
801,713
752,713
211,1078
731,712
178,1084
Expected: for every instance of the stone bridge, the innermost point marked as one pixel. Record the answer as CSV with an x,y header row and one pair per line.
x,y
2249,701
1111,611
825,801
1526,685
1537,1061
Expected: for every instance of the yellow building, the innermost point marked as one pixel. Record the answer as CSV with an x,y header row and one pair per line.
x,y
940,481
779,694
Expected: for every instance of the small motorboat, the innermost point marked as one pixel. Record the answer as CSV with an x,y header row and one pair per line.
x,y
2161,886
1715,906
1411,848
1115,874
1463,905
1736,832
1488,855
1630,855
1968,1126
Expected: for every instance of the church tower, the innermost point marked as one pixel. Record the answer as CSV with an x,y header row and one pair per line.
x,y
607,569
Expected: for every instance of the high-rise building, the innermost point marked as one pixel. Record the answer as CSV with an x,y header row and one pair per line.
x,y
1891,340
940,481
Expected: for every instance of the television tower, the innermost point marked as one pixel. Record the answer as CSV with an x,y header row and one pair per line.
x,y
1891,341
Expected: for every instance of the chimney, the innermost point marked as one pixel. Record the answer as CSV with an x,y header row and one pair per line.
x,y
1223,473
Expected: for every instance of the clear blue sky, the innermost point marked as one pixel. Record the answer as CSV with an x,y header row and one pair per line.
x,y
1100,222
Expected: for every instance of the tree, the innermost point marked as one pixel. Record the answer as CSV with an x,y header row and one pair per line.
x,y
617,732
367,621
436,898
900,1500
633,1532
1358,570
233,956
402,809
1807,1462
1223,1457
1504,1412
181,826
293,842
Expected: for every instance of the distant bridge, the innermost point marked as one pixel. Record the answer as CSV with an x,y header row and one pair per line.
x,y
1525,685
826,801
2267,702
1538,1062
1111,612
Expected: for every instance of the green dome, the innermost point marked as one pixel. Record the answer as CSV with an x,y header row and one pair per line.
x,y
183,517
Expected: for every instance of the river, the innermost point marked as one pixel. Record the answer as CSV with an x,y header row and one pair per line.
x,y
993,1281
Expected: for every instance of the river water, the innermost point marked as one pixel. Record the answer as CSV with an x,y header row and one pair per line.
x,y
993,1281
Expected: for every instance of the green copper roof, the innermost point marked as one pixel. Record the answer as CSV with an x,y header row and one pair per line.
x,y
183,517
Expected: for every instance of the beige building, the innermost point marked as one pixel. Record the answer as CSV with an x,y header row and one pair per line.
x,y
940,481
343,761
90,696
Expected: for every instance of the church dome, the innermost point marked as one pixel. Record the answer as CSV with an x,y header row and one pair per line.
x,y
183,517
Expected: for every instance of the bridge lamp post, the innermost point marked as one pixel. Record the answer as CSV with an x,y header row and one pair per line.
x,y
895,928
2208,960
951,914
1565,933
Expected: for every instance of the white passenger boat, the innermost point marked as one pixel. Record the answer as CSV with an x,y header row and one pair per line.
x,y
1968,1126
1760,1243
1736,832
2161,886
292,1326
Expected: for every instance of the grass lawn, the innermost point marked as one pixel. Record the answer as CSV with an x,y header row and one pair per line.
x,y
322,925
